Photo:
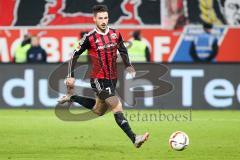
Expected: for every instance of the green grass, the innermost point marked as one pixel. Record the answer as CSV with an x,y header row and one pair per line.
x,y
40,135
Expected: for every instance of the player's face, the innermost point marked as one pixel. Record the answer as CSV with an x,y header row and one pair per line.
x,y
232,12
101,20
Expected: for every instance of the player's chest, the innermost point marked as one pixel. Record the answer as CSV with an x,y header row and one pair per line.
x,y
104,42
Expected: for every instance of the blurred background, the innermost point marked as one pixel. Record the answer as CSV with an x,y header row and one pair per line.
x,y
187,57
196,40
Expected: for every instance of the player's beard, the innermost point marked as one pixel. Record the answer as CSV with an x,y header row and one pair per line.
x,y
102,27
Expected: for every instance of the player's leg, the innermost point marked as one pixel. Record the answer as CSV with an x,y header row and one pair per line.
x,y
116,106
66,98
86,102
106,91
97,105
100,108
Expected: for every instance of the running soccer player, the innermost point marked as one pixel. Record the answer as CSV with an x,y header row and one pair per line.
x,y
102,44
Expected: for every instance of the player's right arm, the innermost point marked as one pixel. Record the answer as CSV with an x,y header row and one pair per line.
x,y
83,45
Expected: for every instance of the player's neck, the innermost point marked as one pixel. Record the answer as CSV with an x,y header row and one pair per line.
x,y
103,32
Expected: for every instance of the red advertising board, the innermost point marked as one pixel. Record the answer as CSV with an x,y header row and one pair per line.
x,y
58,42
165,45
230,48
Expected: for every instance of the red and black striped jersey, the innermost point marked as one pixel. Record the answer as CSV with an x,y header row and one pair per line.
x,y
102,50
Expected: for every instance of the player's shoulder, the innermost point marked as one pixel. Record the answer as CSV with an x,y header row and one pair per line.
x,y
114,31
85,37
90,33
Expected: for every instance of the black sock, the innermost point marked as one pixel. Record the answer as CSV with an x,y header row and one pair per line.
x,y
84,101
123,124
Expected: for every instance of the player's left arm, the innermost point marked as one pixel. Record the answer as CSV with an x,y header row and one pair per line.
x,y
124,55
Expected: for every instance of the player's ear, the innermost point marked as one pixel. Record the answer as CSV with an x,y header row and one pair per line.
x,y
94,18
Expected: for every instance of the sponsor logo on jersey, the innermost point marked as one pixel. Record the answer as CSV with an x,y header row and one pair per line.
x,y
107,46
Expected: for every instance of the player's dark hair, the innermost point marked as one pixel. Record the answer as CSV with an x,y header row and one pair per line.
x,y
99,8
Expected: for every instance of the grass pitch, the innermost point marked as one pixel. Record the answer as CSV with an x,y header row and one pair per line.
x,y
40,135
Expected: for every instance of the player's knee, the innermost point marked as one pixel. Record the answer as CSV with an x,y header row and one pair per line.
x,y
114,104
117,108
98,112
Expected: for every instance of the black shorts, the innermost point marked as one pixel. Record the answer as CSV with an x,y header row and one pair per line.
x,y
104,88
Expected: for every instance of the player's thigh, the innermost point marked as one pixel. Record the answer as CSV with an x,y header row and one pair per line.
x,y
100,107
114,104
104,88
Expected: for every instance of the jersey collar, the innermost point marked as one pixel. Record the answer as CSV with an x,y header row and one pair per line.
x,y
106,32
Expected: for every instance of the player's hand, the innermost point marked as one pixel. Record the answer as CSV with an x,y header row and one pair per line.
x,y
69,81
131,71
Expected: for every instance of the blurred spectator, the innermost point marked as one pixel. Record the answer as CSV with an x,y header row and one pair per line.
x,y
138,51
204,48
36,53
208,12
231,11
21,51
174,14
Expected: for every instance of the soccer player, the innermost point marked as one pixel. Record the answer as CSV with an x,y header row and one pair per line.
x,y
102,44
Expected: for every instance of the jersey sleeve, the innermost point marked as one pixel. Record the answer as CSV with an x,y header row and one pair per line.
x,y
123,51
82,46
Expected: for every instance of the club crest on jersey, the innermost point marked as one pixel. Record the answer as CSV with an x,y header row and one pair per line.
x,y
97,41
114,36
